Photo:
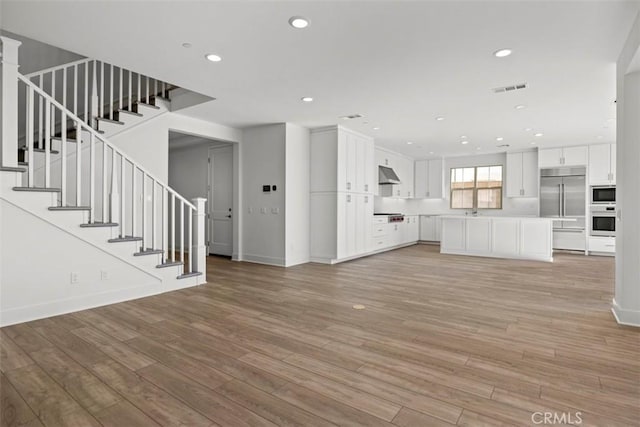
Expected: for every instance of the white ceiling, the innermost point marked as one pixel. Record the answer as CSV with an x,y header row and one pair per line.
x,y
400,64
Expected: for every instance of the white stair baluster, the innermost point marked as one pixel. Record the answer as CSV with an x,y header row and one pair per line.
x,y
139,88
123,190
86,93
154,243
78,164
182,233
47,144
40,115
144,209
129,88
147,98
92,176
63,162
53,95
191,251
105,202
165,223
155,87
134,203
30,146
173,227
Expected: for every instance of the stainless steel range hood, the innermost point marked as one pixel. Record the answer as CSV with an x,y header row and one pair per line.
x,y
386,176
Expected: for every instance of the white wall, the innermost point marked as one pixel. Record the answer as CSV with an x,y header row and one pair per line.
x,y
36,265
35,56
263,163
297,177
510,206
626,304
148,143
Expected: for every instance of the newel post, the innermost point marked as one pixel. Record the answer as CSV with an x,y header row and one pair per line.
x,y
199,248
9,102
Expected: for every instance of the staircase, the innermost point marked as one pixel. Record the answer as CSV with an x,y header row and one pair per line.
x,y
57,163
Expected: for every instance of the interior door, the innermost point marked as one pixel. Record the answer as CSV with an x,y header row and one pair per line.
x,y
574,202
221,201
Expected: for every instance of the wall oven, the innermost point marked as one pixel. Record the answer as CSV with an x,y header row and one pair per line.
x,y
603,221
603,194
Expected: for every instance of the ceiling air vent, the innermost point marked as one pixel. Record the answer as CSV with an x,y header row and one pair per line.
x,y
510,88
351,117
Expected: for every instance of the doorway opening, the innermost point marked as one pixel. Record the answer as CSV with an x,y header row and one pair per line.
x,y
203,167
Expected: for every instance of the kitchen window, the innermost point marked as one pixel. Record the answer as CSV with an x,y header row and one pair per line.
x,y
478,187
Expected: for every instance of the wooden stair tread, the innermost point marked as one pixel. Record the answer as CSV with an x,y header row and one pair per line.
x,y
125,239
38,189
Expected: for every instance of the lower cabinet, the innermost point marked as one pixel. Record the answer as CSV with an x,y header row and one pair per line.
x,y
430,228
342,224
411,228
602,245
523,238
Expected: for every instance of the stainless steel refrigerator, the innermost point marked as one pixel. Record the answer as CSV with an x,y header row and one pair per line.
x,y
562,196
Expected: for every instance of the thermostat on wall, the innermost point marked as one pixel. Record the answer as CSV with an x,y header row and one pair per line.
x,y
266,188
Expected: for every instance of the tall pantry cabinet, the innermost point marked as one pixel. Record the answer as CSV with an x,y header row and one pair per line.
x,y
342,185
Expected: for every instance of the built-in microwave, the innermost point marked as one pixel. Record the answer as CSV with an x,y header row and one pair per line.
x,y
603,194
603,221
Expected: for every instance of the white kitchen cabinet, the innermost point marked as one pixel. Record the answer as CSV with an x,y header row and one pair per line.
x,y
342,176
430,228
429,179
403,167
602,245
602,164
498,237
565,156
522,174
412,229
396,234
342,161
478,235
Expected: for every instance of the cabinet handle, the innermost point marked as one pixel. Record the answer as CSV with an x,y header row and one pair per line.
x,y
366,199
427,194
398,192
348,186
348,198
366,187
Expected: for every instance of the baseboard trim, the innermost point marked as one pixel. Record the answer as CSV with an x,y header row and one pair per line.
x,y
258,259
625,317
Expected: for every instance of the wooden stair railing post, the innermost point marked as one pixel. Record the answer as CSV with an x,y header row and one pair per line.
x,y
198,252
9,102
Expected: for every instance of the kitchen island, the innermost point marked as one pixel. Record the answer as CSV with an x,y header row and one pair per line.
x,y
498,237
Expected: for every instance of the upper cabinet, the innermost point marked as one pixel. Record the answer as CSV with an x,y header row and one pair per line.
x,y
403,167
602,164
429,180
566,156
343,160
522,174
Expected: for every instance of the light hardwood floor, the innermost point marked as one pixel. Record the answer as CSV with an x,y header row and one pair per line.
x,y
444,340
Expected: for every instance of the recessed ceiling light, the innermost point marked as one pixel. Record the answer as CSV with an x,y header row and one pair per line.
x,y
520,107
532,143
599,136
528,129
502,53
307,99
439,119
464,142
539,134
376,128
409,142
499,138
186,45
477,148
298,22
213,57
430,152
463,137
